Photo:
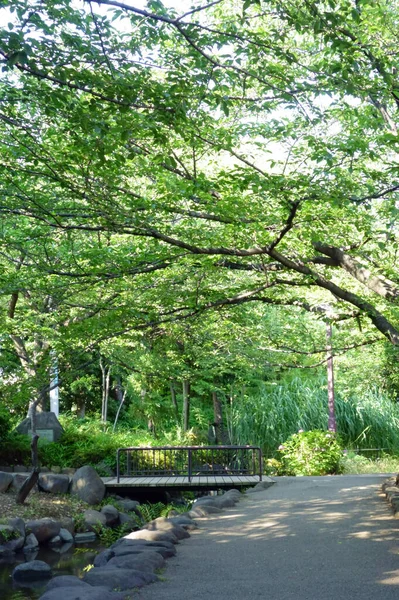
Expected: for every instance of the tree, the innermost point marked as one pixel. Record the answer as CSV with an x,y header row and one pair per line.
x,y
236,153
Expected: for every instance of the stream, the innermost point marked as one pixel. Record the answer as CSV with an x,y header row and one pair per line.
x,y
68,559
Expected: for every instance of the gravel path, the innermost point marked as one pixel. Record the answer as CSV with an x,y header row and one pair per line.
x,y
307,538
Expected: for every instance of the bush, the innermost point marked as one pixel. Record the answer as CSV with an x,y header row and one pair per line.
x,y
5,423
311,453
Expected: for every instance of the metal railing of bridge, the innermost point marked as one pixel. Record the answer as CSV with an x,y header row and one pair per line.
x,y
189,461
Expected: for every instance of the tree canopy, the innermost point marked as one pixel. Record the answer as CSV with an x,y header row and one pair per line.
x,y
158,162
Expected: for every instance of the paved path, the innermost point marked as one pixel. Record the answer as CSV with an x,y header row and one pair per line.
x,y
305,538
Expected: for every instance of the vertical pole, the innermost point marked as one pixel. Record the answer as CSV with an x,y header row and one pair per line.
x,y
189,465
332,424
54,389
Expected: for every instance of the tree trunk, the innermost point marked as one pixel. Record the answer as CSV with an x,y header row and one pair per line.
x,y
186,404
121,402
174,402
221,434
106,375
31,481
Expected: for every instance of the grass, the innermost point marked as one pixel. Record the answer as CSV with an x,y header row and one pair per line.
x,y
353,464
271,414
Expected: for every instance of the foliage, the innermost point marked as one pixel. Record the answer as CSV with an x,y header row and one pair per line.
x,y
311,453
268,415
109,535
357,464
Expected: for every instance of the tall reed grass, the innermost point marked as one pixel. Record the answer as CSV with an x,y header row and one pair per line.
x,y
269,415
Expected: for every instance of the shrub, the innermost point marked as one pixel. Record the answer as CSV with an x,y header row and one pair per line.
x,y
311,453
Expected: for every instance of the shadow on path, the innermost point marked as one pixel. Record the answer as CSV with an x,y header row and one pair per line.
x,y
324,538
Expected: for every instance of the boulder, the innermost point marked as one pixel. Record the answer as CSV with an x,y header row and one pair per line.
x,y
123,550
54,484
166,549
55,541
43,529
21,469
129,506
6,533
74,592
18,479
146,560
47,425
88,485
86,537
65,536
68,523
141,561
18,540
203,511
103,557
31,543
184,522
94,518
152,536
5,481
65,581
122,579
129,520
34,570
111,515
164,524
262,485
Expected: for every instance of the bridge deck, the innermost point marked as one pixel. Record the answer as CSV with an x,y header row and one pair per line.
x,y
207,481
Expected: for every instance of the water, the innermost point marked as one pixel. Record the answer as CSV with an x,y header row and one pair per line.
x,y
64,560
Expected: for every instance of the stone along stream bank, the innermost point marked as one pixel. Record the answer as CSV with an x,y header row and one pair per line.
x,y
130,563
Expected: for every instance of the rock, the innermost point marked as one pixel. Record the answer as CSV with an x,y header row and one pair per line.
x,y
262,485
65,536
166,549
129,520
21,469
152,536
68,471
55,541
164,524
218,501
111,515
203,511
122,579
45,421
103,557
68,523
6,533
62,548
184,522
43,529
44,470
94,518
32,571
5,481
141,561
55,470
87,485
54,484
83,538
65,581
18,540
31,543
18,479
74,592
123,550
129,506
6,469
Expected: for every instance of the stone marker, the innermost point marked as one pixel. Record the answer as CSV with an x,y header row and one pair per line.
x,y
48,426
